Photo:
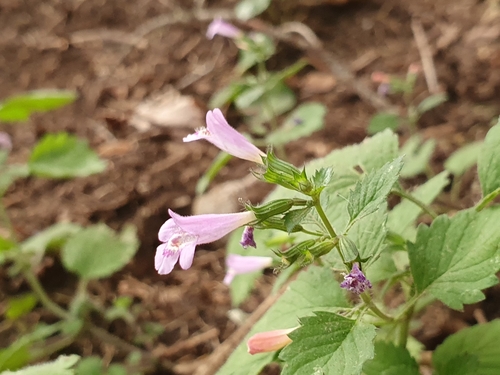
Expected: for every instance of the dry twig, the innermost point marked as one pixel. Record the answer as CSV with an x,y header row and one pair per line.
x,y
425,52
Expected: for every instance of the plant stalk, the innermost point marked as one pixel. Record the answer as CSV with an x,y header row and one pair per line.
x,y
403,194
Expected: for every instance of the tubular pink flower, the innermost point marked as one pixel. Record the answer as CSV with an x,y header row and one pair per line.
x,y
220,27
5,141
221,134
239,264
181,234
269,341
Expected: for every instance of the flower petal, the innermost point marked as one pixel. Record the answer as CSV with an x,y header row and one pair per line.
x,y
164,264
187,255
225,137
167,230
211,227
221,27
245,264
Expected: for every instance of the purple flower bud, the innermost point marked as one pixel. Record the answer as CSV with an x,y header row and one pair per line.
x,y
180,236
239,264
5,141
356,280
384,89
220,27
222,135
247,238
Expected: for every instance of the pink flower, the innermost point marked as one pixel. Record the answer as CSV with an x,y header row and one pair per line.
x,y
222,135
269,341
5,141
220,27
181,234
239,264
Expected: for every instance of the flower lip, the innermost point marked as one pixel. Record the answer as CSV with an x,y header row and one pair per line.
x,y
181,234
247,238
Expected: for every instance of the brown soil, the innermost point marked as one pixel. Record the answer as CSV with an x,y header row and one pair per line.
x,y
89,46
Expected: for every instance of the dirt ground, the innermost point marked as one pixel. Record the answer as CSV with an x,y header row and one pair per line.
x,y
117,54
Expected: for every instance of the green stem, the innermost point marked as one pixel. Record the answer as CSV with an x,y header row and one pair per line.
x,y
324,219
43,297
51,348
368,302
486,200
403,194
405,327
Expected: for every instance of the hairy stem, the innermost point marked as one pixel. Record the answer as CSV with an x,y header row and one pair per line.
x,y
403,194
405,327
369,303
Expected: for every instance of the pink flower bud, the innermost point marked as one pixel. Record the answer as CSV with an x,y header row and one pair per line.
x,y
356,280
180,236
221,134
269,341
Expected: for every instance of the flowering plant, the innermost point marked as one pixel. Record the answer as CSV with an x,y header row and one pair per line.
x,y
330,220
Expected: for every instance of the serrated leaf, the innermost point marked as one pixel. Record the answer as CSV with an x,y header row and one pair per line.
x,y
476,349
455,258
431,102
463,159
402,218
20,107
391,360
247,9
20,305
302,122
301,298
61,366
417,155
488,163
371,192
63,156
97,252
382,121
328,343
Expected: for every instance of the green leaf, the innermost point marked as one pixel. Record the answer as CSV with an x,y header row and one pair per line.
x,y
371,154
116,369
61,366
431,102
20,107
417,155
260,48
455,258
227,94
402,218
382,121
328,343
488,163
10,173
247,9
302,297
463,159
471,351
264,102
369,194
391,360
295,217
302,122
50,238
97,252
90,366
63,156
20,306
